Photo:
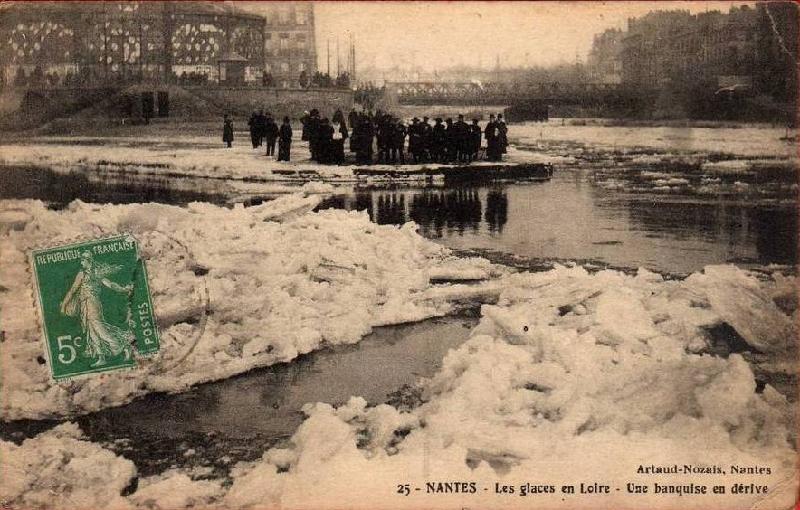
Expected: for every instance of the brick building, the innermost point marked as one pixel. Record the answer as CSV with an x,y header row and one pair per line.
x,y
289,44
94,43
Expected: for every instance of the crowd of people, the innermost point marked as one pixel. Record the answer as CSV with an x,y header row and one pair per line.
x,y
264,131
444,141
381,138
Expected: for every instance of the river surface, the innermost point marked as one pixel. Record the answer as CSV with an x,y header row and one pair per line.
x,y
569,218
216,424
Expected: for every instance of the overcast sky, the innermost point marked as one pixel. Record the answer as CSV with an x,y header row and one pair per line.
x,y
443,34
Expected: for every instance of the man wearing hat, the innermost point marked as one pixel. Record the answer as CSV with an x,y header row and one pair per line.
x,y
462,144
438,140
415,140
475,140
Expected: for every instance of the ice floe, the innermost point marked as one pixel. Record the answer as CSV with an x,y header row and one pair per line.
x,y
233,289
569,378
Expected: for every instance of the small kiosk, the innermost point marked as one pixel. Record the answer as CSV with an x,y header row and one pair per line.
x,y
230,67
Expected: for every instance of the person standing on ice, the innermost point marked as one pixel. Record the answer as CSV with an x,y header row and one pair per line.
x,y
339,136
398,140
427,137
304,122
502,134
461,140
271,132
438,140
492,143
475,140
313,126
255,136
285,140
352,118
227,131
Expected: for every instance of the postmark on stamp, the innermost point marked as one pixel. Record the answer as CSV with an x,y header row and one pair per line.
x,y
95,305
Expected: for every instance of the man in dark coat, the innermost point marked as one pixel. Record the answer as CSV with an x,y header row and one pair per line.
x,y
492,146
261,127
475,140
398,141
450,142
304,122
502,134
352,117
462,140
285,143
252,123
438,140
227,130
415,140
383,135
340,134
271,133
325,142
313,134
427,138
364,134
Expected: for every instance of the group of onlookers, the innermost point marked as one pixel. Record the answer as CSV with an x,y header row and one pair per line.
x,y
325,136
441,142
264,131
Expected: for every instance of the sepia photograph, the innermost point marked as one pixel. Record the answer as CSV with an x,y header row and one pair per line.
x,y
439,255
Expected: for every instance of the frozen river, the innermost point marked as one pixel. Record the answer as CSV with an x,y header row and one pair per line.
x,y
665,198
672,207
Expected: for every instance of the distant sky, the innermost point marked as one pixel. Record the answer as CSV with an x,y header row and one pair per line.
x,y
443,34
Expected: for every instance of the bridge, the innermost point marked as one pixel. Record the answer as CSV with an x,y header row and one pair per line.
x,y
504,93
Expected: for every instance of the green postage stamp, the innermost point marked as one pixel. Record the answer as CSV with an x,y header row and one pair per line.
x,y
95,305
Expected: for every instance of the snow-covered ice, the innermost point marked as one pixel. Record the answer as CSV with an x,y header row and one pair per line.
x,y
569,378
233,289
748,140
238,163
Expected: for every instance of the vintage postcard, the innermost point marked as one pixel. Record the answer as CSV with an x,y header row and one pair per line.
x,y
398,255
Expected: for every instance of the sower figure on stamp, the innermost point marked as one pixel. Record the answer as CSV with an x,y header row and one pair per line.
x,y
83,299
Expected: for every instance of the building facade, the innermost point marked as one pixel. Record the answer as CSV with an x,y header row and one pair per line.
x,y
604,63
91,43
746,47
289,43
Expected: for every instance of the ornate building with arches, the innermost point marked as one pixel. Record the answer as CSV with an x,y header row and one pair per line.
x,y
91,43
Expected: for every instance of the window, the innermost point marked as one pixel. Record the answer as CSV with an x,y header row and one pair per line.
x,y
301,17
284,41
283,16
284,66
301,66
